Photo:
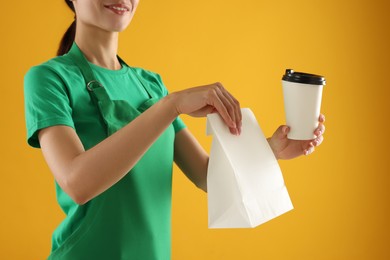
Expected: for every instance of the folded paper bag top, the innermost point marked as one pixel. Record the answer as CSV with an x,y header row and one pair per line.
x,y
245,185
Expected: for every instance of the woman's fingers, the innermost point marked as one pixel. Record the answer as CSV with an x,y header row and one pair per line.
x,y
321,127
232,107
314,143
321,118
233,102
221,105
237,111
200,101
318,140
320,130
309,150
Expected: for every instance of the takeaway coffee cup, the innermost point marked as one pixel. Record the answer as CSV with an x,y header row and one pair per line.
x,y
302,94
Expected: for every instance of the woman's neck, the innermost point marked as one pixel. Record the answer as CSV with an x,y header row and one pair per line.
x,y
99,47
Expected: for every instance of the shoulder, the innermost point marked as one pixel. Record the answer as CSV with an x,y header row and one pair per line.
x,y
54,64
56,71
62,66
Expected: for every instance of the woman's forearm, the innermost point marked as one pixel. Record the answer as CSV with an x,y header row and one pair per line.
x,y
191,158
86,174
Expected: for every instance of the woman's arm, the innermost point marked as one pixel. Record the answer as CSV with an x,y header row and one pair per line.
x,y
85,174
191,158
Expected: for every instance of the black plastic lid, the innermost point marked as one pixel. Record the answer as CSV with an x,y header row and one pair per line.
x,y
304,78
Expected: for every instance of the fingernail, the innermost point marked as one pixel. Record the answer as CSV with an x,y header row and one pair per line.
x,y
309,151
233,131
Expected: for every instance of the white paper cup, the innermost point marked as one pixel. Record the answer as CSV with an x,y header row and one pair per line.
x,y
302,94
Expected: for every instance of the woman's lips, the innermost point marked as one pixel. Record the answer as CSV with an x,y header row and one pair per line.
x,y
120,9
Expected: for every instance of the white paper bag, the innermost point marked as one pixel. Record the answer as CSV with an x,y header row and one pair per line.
x,y
244,183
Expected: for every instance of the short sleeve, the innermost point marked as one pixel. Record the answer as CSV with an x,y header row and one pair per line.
x,y
46,102
178,124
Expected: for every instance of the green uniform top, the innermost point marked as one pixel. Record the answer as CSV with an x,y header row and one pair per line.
x,y
132,219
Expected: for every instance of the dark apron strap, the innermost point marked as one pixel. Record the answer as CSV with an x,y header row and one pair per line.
x,y
95,88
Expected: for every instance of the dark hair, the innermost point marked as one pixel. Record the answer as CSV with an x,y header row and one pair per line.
x,y
68,38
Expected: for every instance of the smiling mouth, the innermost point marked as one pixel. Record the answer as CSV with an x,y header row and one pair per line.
x,y
120,9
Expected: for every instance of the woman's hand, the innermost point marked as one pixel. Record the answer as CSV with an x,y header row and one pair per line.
x,y
203,100
284,148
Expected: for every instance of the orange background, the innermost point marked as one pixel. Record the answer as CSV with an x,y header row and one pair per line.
x,y
340,192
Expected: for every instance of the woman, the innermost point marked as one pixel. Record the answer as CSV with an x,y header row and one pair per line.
x,y
110,133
